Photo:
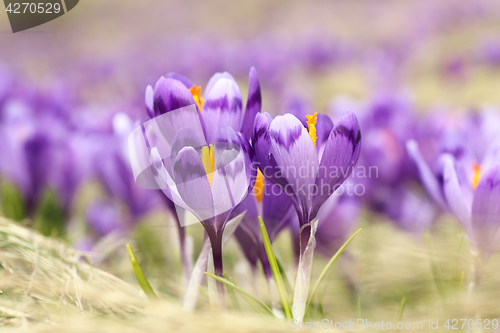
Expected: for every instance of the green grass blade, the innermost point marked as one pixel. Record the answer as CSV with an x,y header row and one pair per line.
x,y
325,270
401,309
283,275
245,295
143,282
275,269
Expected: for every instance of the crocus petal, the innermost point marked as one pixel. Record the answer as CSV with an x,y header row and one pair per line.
x,y
254,103
185,81
214,79
340,155
247,244
222,107
486,212
248,231
228,139
186,137
169,95
230,227
492,155
295,154
261,142
427,177
324,126
192,183
459,202
164,181
455,144
149,101
275,209
250,220
230,182
161,131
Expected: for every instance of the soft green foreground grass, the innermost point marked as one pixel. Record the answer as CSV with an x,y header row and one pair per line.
x,y
48,287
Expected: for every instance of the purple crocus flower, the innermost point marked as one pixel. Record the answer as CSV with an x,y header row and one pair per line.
x,y
220,105
209,186
309,165
474,198
430,168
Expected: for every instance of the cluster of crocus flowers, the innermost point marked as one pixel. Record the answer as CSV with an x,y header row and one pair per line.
x,y
195,150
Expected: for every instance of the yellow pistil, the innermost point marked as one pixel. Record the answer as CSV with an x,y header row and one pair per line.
x,y
311,124
207,158
258,189
476,174
196,91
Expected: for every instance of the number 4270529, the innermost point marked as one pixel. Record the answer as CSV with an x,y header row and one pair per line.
x,y
31,7
485,324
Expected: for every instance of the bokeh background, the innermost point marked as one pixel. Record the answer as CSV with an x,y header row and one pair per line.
x,y
446,51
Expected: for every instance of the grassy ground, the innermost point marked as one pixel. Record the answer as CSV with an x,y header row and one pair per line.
x,y
48,287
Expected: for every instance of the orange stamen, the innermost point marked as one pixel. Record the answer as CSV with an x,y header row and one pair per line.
x,y
476,174
311,124
196,92
207,158
259,186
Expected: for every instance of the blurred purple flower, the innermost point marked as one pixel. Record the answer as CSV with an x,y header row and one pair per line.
x,y
104,218
474,201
